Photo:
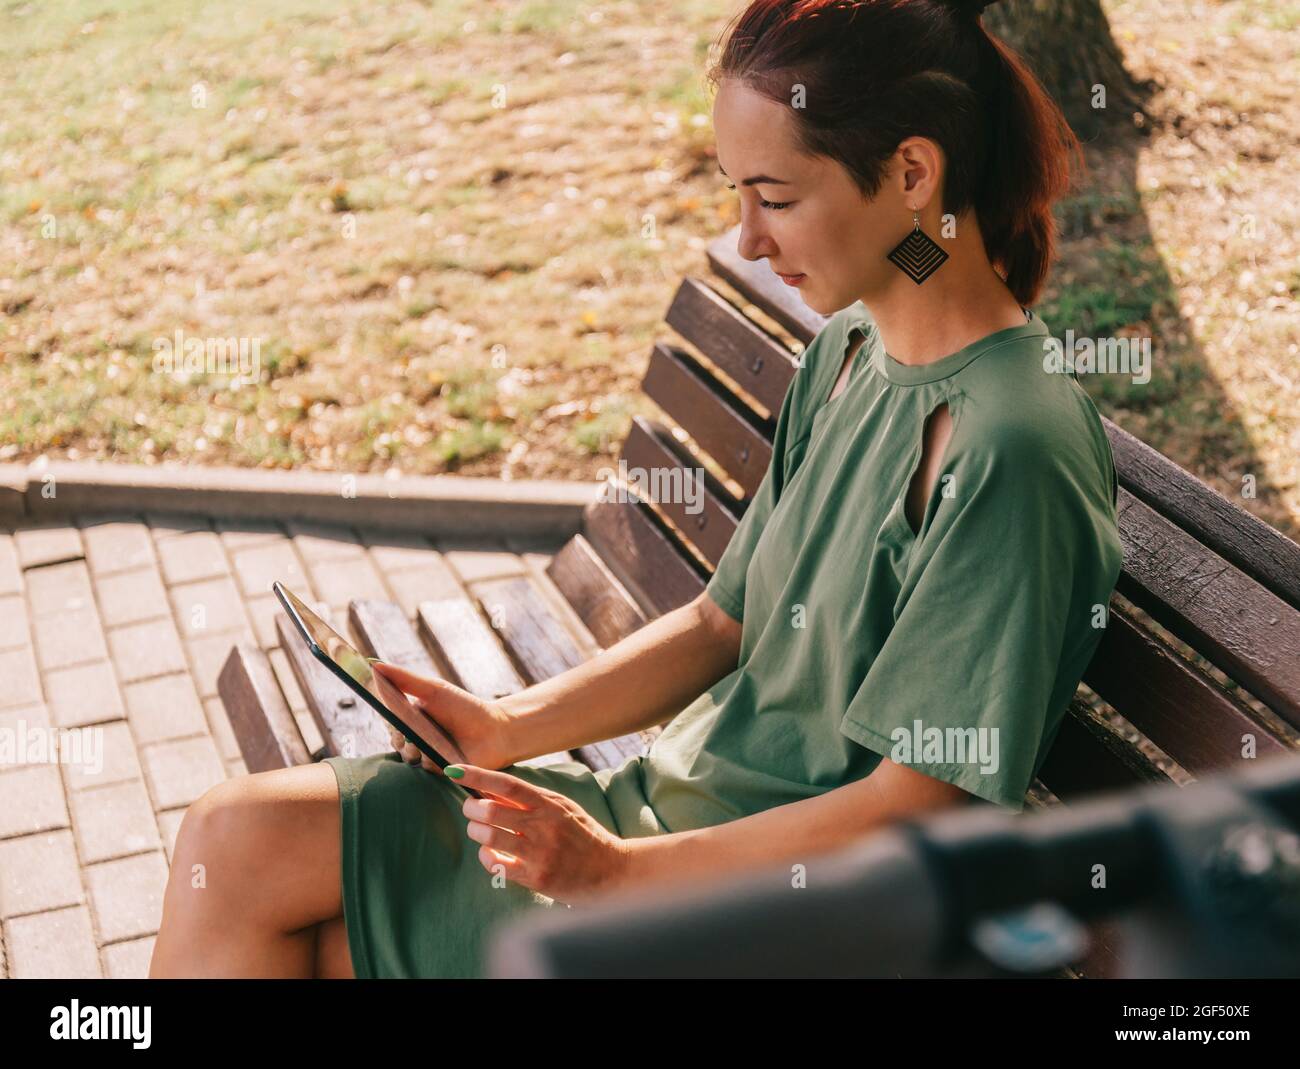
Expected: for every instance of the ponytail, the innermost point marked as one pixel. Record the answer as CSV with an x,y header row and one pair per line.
x,y
874,72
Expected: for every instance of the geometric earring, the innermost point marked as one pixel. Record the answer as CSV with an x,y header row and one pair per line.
x,y
918,255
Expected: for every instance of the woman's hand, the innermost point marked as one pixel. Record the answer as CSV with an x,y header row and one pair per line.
x,y
480,728
542,839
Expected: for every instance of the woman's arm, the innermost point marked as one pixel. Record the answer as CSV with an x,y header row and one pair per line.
x,y
793,832
642,680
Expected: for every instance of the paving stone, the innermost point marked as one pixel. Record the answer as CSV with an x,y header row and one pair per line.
x,y
166,707
46,544
240,534
169,824
117,547
117,757
32,717
322,542
208,607
426,584
31,800
22,685
59,587
236,767
14,628
38,872
11,575
144,650
263,611
209,656
85,694
293,694
187,558
340,581
114,821
222,732
132,597
56,945
472,564
260,566
127,895
180,771
70,637
170,524
129,960
395,551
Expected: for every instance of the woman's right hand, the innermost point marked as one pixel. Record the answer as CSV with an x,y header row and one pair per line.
x,y
480,728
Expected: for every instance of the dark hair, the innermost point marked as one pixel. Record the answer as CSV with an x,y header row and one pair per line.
x,y
875,72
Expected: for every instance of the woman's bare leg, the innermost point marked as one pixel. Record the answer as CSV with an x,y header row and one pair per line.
x,y
255,873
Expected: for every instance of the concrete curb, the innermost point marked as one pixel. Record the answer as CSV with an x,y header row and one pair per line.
x,y
433,504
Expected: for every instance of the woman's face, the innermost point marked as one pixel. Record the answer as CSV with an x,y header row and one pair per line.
x,y
805,215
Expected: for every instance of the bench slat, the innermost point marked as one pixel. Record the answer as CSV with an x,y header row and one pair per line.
x,y
596,595
1088,756
641,554
1261,551
701,405
468,649
1223,614
1180,710
348,725
759,363
542,649
652,447
265,729
757,283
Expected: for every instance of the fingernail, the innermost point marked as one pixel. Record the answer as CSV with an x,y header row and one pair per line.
x,y
454,771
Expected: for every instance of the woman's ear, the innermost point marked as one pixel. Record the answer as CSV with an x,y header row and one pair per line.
x,y
919,170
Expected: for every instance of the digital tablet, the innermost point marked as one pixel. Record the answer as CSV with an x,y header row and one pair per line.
x,y
338,655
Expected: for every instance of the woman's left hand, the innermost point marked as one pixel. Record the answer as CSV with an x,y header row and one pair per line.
x,y
542,839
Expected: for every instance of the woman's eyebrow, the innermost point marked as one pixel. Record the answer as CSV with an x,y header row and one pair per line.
x,y
756,179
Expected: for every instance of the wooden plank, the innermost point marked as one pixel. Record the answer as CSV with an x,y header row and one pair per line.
x,y
265,729
1088,757
701,406
1262,552
1187,715
467,649
1223,614
383,631
542,649
349,726
759,363
594,592
707,522
642,554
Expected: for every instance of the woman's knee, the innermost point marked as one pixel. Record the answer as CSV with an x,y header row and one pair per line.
x,y
268,841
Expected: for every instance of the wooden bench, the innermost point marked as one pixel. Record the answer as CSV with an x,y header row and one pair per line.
x,y
1201,650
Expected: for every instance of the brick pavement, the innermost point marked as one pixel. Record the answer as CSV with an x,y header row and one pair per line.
x,y
120,624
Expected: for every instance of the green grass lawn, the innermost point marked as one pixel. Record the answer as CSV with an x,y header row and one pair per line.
x,y
454,228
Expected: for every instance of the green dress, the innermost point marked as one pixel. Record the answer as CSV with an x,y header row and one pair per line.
x,y
953,649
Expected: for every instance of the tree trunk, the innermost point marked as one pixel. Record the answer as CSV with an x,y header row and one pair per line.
x,y
1068,45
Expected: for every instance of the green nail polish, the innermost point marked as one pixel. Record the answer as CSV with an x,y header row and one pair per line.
x,y
454,771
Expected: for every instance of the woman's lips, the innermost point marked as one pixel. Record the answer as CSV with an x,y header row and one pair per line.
x,y
791,280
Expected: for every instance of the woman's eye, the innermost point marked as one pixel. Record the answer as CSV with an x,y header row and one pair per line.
x,y
773,205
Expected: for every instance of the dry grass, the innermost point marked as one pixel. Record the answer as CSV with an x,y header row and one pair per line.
x,y
527,183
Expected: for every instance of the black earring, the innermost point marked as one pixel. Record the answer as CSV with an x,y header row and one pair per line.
x,y
918,255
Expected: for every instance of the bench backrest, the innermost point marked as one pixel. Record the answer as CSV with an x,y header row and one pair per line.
x,y
1202,647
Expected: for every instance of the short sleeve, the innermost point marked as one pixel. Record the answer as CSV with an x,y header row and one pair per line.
x,y
968,686
727,584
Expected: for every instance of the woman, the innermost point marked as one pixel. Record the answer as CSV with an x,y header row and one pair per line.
x,y
896,626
